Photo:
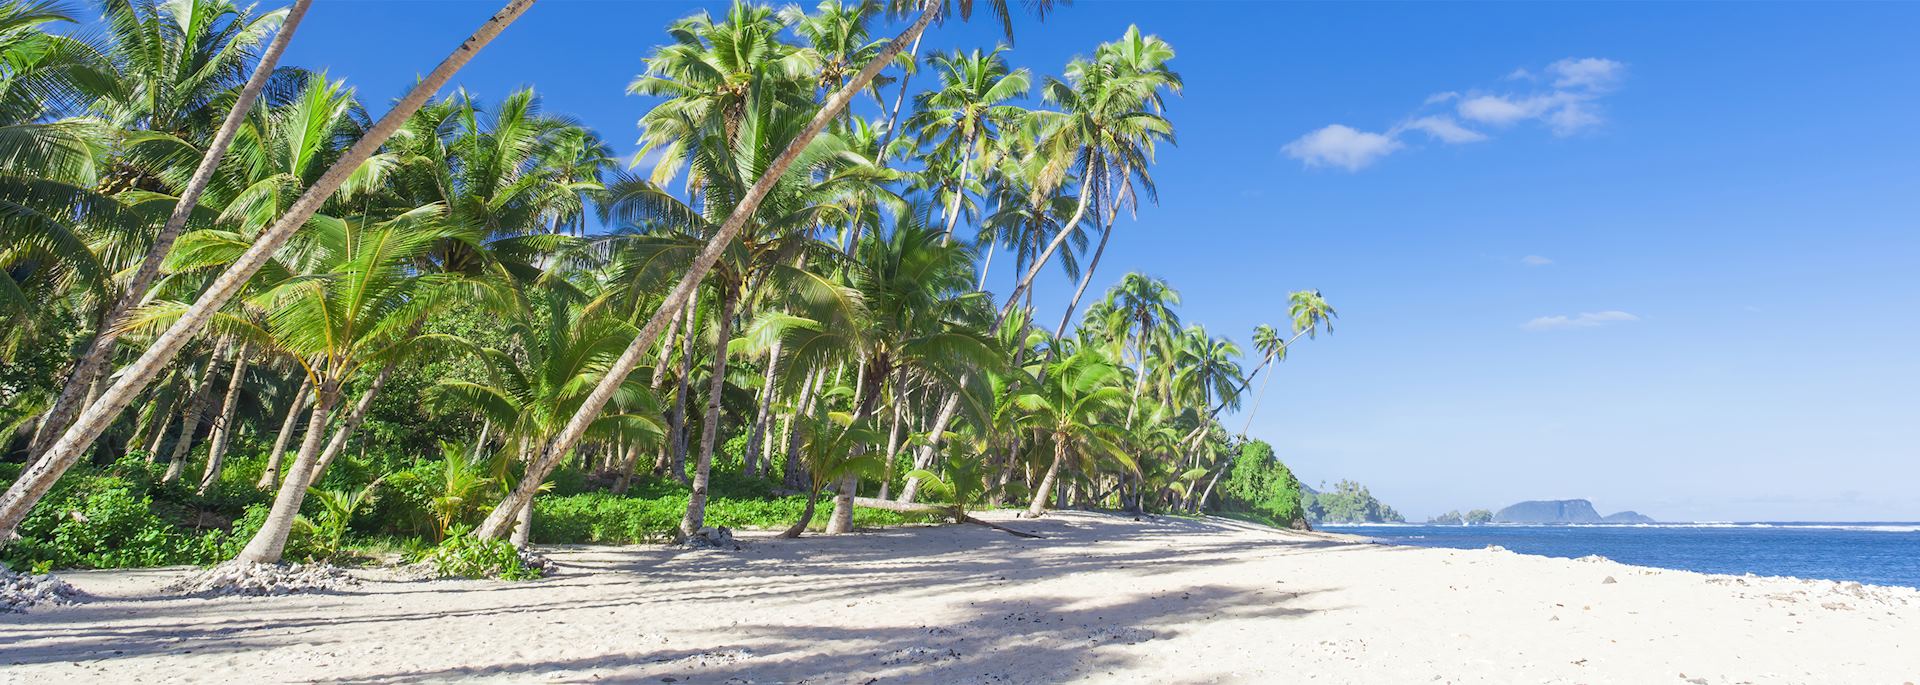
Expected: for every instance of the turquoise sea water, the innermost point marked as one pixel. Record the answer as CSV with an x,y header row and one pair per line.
x,y
1877,553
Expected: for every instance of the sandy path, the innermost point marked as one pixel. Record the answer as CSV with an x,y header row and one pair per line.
x,y
1103,599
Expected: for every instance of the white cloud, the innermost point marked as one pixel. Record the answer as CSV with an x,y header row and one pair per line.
x,y
1445,129
1581,320
1589,73
1567,108
1535,260
1341,146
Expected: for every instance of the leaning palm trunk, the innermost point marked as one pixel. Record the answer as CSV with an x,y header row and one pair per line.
x,y
1040,492
1198,504
755,446
696,516
271,540
1086,278
61,455
496,522
351,423
189,425
271,476
92,363
194,414
223,427
677,421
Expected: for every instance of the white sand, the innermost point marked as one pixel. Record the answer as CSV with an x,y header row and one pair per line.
x,y
1102,599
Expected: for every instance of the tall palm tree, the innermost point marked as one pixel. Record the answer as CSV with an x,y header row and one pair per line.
x,y
34,482
1141,305
531,390
961,118
1309,311
1121,93
749,204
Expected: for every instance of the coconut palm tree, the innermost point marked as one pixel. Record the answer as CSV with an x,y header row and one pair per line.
x,y
961,118
1309,311
530,390
748,205
34,482
1072,408
1143,306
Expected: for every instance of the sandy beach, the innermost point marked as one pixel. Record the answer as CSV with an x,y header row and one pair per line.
x,y
1102,599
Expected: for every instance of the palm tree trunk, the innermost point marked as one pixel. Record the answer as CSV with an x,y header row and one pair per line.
x,y
34,482
677,421
893,434
161,422
696,272
92,363
352,422
924,457
841,520
959,192
627,466
755,446
1256,401
195,413
523,526
271,476
1042,492
1140,371
1201,503
223,427
894,116
271,540
1086,278
1059,238
696,516
806,516
795,473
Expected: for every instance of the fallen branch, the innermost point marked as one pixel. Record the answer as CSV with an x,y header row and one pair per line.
x,y
915,508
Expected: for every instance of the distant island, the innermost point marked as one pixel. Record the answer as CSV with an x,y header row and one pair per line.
x,y
1563,511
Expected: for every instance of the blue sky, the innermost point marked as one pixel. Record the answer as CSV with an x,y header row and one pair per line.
x,y
1673,273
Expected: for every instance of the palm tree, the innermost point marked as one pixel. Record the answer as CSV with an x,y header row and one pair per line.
x,y
834,450
1309,311
1073,409
962,116
1142,305
1114,113
531,389
167,78
34,482
749,204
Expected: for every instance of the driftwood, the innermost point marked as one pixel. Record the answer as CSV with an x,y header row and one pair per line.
x,y
905,508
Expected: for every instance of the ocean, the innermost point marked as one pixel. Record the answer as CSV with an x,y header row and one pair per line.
x,y
1876,553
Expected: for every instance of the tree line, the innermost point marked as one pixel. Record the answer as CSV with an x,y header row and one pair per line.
x,y
204,254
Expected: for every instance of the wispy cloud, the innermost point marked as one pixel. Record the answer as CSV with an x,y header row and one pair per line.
x,y
1581,320
1341,146
1566,108
1535,260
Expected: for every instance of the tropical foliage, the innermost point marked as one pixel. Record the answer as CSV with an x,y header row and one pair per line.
x,y
476,303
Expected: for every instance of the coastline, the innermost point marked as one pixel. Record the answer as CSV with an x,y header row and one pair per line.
x,y
1102,598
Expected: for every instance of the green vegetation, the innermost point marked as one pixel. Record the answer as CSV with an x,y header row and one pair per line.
x,y
1349,502
365,334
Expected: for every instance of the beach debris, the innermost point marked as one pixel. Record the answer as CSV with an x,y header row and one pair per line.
x,y
240,578
918,655
536,561
1608,581
711,537
1496,548
1594,559
22,591
720,657
1122,635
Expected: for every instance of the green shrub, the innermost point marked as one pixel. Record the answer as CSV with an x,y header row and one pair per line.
x,y
609,519
464,556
